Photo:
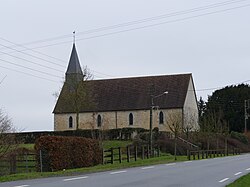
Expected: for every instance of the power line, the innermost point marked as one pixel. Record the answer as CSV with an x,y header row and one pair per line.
x,y
172,21
21,51
149,19
29,50
3,79
144,27
45,73
31,61
28,74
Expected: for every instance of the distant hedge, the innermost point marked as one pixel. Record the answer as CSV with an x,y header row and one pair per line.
x,y
112,134
60,152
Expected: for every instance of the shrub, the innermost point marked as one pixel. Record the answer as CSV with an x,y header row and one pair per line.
x,y
60,152
239,136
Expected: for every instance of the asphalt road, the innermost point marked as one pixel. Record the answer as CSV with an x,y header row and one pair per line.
x,y
202,173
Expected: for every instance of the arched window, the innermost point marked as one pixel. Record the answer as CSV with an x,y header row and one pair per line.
x,y
70,122
131,119
99,121
161,118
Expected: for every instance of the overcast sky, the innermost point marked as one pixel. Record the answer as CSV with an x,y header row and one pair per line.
x,y
208,38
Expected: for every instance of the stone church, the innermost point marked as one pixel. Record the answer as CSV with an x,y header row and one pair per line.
x,y
125,102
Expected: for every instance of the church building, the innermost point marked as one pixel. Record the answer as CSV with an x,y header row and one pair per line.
x,y
124,102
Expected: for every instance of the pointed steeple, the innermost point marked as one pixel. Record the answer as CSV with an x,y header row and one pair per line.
x,y
74,70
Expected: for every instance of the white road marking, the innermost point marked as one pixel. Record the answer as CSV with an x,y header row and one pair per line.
x,y
76,178
118,172
171,164
238,173
150,167
223,180
248,169
188,161
22,186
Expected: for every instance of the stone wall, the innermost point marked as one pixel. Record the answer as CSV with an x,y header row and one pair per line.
x,y
115,119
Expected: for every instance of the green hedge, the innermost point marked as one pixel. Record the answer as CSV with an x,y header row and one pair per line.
x,y
60,152
112,134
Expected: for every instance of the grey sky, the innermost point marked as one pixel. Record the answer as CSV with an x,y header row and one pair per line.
x,y
214,47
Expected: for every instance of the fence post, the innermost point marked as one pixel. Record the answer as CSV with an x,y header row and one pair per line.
x,y
188,154
112,155
198,155
120,154
147,151
103,161
158,151
135,150
26,162
142,152
202,154
194,155
41,161
128,154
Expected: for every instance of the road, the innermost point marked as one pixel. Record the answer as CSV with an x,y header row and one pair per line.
x,y
200,173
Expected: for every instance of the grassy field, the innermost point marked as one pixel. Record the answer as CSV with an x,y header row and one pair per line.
x,y
115,143
27,146
241,182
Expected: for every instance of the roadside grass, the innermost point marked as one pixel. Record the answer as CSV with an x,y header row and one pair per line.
x,y
241,182
107,167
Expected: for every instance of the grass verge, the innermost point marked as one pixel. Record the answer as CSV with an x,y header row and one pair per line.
x,y
241,182
99,168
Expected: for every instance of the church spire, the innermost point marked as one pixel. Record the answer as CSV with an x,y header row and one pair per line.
x,y
74,71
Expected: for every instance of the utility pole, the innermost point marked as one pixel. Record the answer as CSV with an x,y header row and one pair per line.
x,y
247,113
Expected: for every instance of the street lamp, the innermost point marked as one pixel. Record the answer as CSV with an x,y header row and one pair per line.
x,y
151,119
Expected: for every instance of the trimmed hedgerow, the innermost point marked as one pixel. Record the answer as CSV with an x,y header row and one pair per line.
x,y
111,134
60,152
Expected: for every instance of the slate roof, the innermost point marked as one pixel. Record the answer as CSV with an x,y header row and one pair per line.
x,y
74,63
126,94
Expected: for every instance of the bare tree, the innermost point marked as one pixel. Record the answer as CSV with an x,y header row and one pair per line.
x,y
7,140
175,125
190,125
77,93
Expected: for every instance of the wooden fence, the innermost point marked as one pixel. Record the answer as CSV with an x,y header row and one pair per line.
x,y
202,154
129,153
23,163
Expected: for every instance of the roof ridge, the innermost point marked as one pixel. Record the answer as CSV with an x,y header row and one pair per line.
x,y
138,77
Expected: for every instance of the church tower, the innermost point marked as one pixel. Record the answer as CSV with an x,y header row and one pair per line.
x,y
74,71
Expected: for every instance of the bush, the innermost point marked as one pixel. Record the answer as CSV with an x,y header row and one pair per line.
x,y
60,152
239,136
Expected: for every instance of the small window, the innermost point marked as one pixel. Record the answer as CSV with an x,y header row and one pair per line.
x,y
70,122
99,121
161,118
131,119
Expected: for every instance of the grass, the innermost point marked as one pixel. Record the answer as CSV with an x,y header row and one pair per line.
x,y
27,146
241,182
115,143
107,167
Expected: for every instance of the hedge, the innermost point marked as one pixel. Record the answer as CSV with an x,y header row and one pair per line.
x,y
112,134
60,152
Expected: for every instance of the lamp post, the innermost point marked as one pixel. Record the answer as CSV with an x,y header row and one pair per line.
x,y
151,119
